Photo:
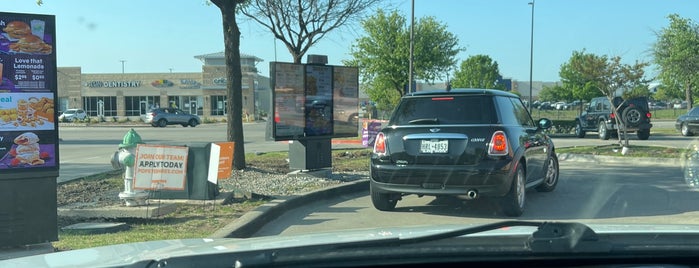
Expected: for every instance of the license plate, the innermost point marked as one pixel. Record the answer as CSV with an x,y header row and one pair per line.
x,y
434,146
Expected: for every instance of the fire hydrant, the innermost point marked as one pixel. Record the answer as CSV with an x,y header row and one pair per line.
x,y
124,158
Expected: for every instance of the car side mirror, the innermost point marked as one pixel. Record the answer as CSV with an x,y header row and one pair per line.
x,y
545,123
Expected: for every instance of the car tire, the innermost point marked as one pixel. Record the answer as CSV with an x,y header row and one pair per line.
x,y
684,129
602,131
193,122
632,116
551,176
579,131
643,134
513,201
382,201
162,123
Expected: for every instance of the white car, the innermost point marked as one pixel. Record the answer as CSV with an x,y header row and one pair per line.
x,y
71,115
559,105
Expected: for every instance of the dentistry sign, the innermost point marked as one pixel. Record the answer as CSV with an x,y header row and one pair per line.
x,y
160,167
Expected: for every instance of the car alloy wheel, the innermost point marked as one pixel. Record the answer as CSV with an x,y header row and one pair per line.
x,y
602,130
632,116
551,176
513,202
193,123
162,123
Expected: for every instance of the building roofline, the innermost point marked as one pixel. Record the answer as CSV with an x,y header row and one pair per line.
x,y
221,55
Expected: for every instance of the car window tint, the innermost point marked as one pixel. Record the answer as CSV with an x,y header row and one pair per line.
x,y
506,110
605,106
521,113
448,110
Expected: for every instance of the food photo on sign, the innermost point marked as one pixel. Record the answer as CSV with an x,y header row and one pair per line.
x,y
27,111
26,52
27,149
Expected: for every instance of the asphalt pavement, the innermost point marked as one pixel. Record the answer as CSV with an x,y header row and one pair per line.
x,y
245,226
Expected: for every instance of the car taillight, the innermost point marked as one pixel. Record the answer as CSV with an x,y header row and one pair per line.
x,y
648,115
498,144
611,116
380,144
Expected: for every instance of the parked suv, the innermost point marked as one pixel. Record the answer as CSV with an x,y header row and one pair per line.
x,y
599,117
161,117
466,143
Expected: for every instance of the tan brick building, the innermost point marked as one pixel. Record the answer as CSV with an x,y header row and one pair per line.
x,y
133,94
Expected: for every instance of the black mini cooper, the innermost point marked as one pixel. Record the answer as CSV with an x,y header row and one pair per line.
x,y
463,142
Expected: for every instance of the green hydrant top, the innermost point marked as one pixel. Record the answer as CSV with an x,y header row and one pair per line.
x,y
131,139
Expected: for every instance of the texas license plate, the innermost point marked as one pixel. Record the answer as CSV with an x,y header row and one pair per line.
x,y
434,146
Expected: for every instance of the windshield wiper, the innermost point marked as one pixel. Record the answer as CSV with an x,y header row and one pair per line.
x,y
424,121
549,237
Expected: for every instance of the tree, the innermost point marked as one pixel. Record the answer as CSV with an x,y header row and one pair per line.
x,y
579,74
676,52
555,93
231,41
383,55
302,23
478,71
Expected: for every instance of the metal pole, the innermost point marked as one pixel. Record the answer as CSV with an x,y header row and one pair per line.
x,y
531,57
122,66
412,22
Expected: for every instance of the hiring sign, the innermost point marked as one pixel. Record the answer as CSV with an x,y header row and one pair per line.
x,y
160,167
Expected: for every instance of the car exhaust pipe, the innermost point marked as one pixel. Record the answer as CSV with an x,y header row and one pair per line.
x,y
472,194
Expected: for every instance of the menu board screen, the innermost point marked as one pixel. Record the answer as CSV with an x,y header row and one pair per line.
x,y
346,101
319,101
288,99
28,128
314,101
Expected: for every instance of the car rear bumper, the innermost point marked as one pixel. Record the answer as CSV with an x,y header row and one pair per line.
x,y
490,180
644,126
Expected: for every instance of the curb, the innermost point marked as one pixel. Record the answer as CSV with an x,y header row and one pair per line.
x,y
619,159
251,222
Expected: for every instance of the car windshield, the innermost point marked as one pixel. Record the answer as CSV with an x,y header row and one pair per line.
x,y
190,119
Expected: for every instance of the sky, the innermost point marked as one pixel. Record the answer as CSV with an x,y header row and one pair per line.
x,y
160,36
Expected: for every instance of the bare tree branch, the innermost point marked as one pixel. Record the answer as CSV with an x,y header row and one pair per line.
x,y
301,24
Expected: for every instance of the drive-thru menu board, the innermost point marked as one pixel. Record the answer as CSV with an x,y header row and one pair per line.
x,y
314,101
288,99
28,129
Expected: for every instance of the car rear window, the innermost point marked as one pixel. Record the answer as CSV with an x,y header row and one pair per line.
x,y
475,109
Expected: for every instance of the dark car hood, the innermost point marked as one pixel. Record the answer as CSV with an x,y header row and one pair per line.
x,y
125,254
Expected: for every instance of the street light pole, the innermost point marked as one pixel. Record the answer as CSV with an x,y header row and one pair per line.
x,y
531,58
410,71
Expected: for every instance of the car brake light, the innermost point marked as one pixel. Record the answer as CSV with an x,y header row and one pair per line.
x,y
380,144
498,144
611,116
648,115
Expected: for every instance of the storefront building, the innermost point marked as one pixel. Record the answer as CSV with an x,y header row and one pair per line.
x,y
131,95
